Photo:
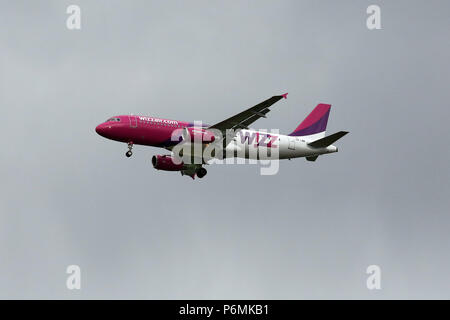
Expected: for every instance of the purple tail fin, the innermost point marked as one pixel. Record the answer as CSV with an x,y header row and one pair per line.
x,y
315,122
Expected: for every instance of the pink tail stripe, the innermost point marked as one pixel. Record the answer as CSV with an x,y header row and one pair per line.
x,y
315,122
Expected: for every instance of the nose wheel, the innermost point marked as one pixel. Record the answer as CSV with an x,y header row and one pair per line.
x,y
129,153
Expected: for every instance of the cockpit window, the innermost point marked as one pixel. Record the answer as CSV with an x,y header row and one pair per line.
x,y
113,119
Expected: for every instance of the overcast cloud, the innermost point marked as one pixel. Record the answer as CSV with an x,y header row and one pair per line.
x,y
69,196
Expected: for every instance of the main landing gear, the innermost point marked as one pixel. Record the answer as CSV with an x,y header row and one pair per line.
x,y
201,172
129,153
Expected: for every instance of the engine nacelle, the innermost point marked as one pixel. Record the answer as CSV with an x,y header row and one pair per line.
x,y
166,163
200,134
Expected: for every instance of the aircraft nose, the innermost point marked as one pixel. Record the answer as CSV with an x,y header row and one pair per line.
x,y
100,129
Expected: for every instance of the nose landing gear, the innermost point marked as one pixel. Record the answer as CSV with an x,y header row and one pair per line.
x,y
129,153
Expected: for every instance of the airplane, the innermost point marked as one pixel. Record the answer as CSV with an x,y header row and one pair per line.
x,y
230,138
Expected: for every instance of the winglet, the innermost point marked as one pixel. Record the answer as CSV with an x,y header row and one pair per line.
x,y
285,95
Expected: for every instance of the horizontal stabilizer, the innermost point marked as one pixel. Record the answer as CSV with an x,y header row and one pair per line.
x,y
325,142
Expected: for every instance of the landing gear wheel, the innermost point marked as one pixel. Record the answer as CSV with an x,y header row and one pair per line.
x,y
129,153
201,172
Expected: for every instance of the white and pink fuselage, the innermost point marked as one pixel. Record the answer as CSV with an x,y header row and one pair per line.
x,y
192,142
246,143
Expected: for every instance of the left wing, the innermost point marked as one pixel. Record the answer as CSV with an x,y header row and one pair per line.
x,y
245,118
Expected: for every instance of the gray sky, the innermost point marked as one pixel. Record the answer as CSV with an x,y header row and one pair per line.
x,y
68,196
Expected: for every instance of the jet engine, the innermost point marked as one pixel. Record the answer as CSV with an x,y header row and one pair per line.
x,y
166,163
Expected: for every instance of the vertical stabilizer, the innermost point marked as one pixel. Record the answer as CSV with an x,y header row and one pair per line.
x,y
315,124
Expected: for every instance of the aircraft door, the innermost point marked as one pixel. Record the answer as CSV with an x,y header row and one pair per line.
x,y
133,121
291,144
